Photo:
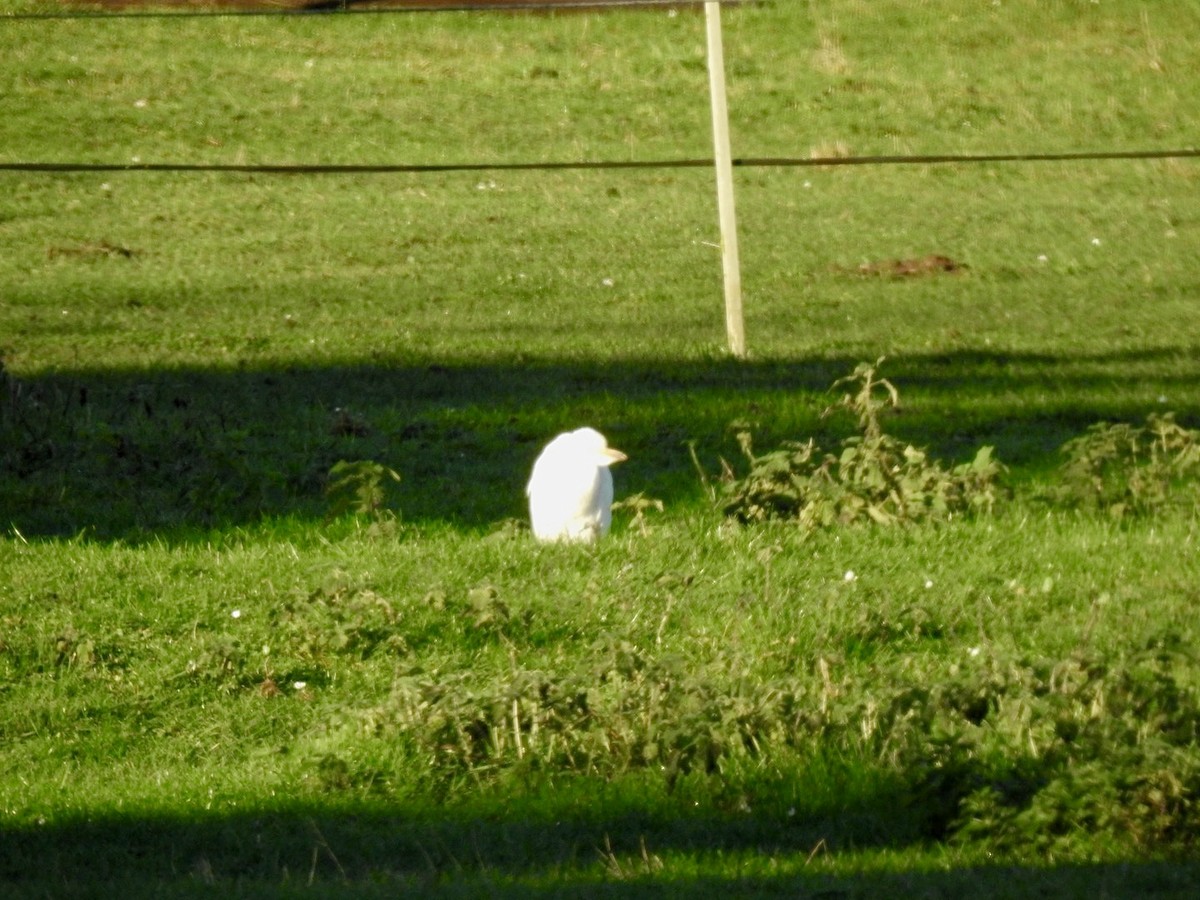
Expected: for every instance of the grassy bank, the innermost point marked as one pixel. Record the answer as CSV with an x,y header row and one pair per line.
x,y
213,675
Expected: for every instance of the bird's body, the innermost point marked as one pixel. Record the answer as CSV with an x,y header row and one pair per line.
x,y
571,490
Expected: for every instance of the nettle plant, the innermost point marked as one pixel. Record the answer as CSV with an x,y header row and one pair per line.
x,y
875,477
624,709
360,487
1126,470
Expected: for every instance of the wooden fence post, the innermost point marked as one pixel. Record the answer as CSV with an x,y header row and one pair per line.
x,y
723,157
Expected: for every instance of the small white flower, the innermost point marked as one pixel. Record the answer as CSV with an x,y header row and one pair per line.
x,y
1095,242
928,583
237,614
1042,257
1162,398
608,282
973,651
300,685
849,576
142,103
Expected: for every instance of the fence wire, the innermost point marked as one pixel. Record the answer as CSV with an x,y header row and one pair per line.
x,y
747,162
351,7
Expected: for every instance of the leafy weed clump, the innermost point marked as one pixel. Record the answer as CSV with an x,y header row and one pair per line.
x,y
338,618
624,709
1125,470
876,477
360,488
304,637
999,750
1090,745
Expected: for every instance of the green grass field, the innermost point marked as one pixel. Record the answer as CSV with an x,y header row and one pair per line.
x,y
217,679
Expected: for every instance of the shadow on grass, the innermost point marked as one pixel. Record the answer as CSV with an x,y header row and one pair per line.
x,y
165,452
371,852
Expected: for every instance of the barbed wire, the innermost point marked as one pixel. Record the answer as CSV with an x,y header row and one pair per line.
x,y
340,7
743,162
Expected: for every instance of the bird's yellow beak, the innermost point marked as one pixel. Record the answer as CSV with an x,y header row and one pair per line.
x,y
610,455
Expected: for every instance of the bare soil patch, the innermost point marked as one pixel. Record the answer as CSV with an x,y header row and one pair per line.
x,y
933,264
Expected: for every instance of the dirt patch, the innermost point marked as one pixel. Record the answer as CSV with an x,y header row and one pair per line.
x,y
91,251
933,264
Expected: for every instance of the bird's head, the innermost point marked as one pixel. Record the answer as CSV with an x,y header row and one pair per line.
x,y
589,444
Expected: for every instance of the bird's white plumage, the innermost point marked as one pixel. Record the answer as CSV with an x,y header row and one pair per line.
x,y
571,490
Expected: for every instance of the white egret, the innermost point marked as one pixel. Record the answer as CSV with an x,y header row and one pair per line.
x,y
571,490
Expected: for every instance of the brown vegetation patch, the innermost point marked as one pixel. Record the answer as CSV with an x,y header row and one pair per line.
x,y
91,251
932,264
